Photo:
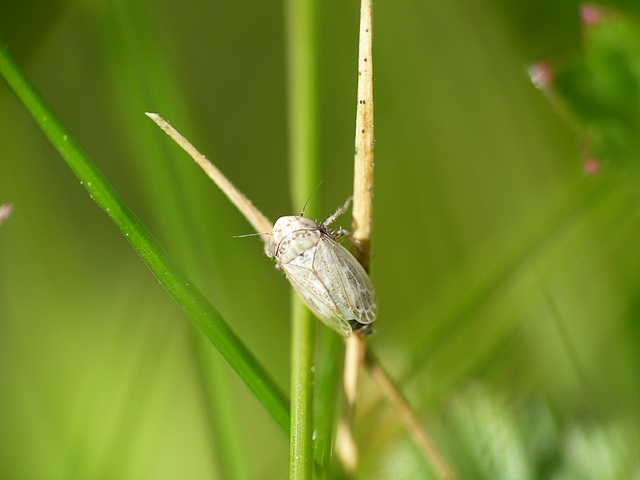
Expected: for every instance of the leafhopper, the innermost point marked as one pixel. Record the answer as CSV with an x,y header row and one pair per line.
x,y
326,276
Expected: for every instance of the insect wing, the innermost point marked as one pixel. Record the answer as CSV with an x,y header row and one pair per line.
x,y
316,296
351,287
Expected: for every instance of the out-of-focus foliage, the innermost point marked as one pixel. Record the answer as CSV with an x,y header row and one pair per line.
x,y
507,279
502,441
602,86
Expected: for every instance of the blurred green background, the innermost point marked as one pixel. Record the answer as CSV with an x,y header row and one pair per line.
x,y
508,280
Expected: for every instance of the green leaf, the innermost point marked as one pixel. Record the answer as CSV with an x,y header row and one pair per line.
x,y
192,301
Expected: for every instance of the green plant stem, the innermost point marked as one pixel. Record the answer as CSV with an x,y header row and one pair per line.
x,y
194,304
303,158
302,104
302,354
327,390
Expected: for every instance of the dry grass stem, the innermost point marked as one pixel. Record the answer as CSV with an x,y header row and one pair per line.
x,y
260,223
353,358
401,406
360,228
363,161
346,447
361,232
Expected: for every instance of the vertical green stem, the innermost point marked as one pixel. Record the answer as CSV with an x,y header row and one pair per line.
x,y
303,158
302,353
302,103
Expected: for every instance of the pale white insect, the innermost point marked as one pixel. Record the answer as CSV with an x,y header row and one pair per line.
x,y
330,281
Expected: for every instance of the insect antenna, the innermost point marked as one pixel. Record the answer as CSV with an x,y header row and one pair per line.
x,y
252,235
308,199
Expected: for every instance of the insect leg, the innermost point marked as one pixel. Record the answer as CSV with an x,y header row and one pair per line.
x,y
342,233
346,233
338,212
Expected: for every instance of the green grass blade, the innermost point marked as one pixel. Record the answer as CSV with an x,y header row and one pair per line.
x,y
328,373
194,304
304,166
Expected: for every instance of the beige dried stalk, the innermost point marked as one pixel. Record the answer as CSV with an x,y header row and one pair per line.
x,y
362,214
363,161
258,220
356,348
